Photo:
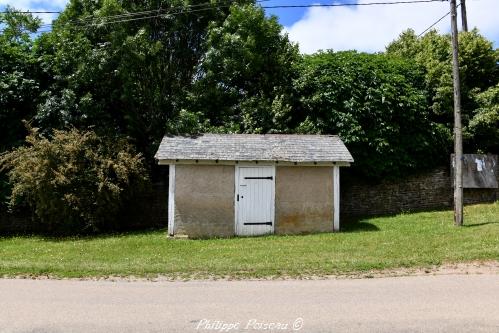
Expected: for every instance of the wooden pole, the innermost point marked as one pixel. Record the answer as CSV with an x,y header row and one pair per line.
x,y
458,138
464,15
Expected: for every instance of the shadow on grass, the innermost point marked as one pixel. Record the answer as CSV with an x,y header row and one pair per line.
x,y
359,226
478,224
83,237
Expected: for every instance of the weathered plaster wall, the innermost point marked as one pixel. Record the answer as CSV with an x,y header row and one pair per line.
x,y
204,200
304,199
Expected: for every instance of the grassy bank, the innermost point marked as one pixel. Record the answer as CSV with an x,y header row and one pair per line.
x,y
407,240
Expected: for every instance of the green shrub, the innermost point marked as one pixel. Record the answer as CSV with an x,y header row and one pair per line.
x,y
75,181
483,128
378,106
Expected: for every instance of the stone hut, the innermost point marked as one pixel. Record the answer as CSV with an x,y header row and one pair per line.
x,y
222,185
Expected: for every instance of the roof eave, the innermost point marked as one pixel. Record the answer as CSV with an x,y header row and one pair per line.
x,y
253,162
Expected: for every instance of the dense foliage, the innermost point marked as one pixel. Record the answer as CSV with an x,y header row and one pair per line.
x,y
479,71
245,75
483,128
377,104
74,181
129,77
19,87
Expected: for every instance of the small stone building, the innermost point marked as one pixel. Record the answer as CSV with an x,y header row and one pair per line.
x,y
223,185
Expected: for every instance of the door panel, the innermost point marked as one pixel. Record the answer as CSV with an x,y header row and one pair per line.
x,y
255,200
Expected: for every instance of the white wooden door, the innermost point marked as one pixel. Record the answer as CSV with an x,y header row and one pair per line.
x,y
255,188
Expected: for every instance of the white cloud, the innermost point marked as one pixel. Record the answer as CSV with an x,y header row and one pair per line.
x,y
371,28
37,5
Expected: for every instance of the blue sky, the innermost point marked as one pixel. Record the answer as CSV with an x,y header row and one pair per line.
x,y
290,15
365,28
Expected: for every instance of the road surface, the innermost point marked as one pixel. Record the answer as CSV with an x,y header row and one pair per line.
x,y
442,303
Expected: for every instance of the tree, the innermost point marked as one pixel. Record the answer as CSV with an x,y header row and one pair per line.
x,y
377,104
478,67
19,83
129,77
244,79
19,86
74,181
483,127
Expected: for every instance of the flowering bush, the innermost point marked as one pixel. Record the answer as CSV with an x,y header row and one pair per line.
x,y
75,181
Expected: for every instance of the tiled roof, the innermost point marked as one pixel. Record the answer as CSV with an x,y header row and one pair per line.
x,y
254,147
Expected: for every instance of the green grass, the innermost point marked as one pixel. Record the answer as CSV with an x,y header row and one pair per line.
x,y
406,240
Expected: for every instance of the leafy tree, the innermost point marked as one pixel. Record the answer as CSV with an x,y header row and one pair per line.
x,y
244,80
119,75
478,69
18,82
483,128
74,181
377,104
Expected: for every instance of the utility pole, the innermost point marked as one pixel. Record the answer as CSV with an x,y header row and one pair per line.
x,y
464,16
458,137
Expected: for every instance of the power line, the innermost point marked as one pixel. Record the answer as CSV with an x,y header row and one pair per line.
x,y
124,14
152,16
353,4
30,12
121,18
434,24
280,6
95,19
437,22
158,12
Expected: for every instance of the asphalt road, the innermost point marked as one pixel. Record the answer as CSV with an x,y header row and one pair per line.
x,y
445,303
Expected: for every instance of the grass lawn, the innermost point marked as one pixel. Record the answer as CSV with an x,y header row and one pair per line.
x,y
407,240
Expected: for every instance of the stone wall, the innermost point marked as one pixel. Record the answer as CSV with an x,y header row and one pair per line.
x,y
426,191
204,200
19,223
304,199
149,210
